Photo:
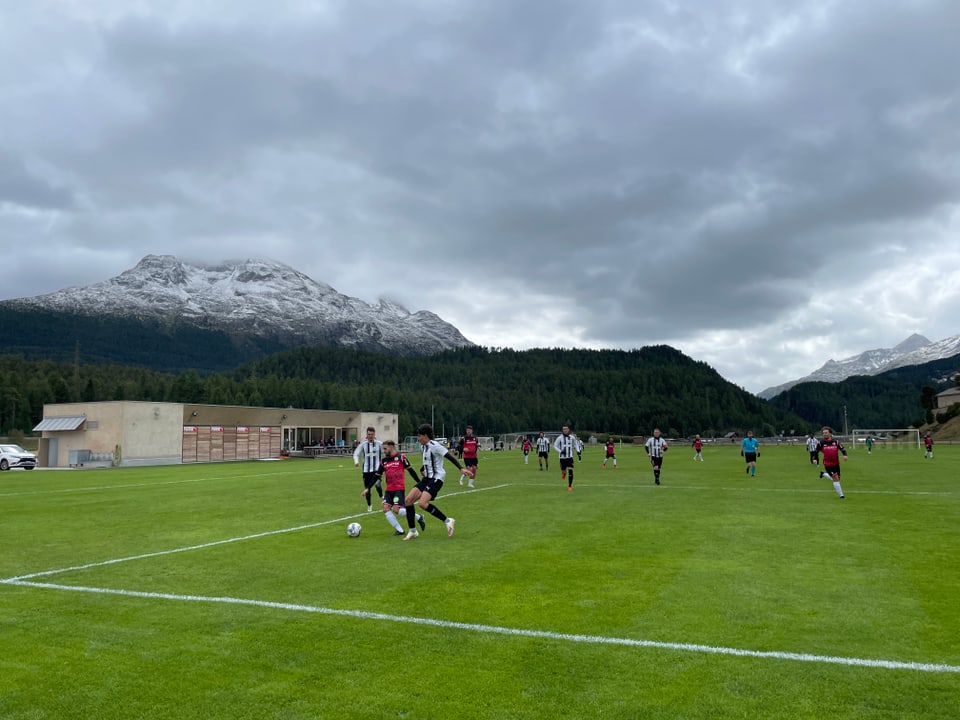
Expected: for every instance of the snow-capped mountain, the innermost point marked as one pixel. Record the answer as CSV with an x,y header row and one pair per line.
x,y
915,350
257,298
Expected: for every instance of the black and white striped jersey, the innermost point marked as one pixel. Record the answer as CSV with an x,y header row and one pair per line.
x,y
567,445
370,453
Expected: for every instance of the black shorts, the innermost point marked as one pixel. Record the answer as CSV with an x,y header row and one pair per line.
x,y
833,471
566,463
471,462
430,485
656,460
750,457
611,457
395,497
544,454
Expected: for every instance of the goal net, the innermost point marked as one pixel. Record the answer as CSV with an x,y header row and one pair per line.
x,y
885,439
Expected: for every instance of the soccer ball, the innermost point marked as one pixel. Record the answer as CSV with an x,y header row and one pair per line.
x,y
353,529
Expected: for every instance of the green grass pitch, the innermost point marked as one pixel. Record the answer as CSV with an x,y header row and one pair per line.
x,y
233,591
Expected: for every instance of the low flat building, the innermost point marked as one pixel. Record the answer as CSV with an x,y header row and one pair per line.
x,y
122,433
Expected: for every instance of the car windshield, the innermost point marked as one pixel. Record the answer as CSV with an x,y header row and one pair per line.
x,y
12,449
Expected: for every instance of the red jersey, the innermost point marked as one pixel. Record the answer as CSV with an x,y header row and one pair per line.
x,y
832,450
611,448
698,445
470,446
526,446
394,468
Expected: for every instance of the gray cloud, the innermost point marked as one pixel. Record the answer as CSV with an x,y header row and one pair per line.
x,y
606,174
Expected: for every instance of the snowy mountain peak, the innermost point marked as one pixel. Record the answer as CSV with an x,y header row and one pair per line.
x,y
914,342
915,350
253,297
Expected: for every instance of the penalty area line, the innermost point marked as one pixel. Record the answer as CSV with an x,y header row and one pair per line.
x,y
513,632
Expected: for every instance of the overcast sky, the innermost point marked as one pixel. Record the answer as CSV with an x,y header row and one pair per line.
x,y
762,184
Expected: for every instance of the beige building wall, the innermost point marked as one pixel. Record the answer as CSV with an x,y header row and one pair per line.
x,y
147,433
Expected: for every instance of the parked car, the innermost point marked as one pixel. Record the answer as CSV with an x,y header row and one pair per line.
x,y
14,456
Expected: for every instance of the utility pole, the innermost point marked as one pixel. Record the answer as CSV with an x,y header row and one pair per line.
x,y
846,431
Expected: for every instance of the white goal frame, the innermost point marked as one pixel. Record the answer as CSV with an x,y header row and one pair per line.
x,y
900,435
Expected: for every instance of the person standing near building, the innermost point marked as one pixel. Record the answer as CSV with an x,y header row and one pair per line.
x,y
394,466
750,450
368,452
431,483
928,445
812,447
470,458
656,446
832,450
543,451
611,453
566,445
697,448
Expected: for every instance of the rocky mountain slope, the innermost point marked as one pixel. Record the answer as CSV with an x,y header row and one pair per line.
x,y
915,350
256,298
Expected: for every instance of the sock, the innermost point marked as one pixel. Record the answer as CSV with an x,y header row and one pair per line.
x,y
570,478
836,486
408,511
379,490
435,511
753,472
614,462
392,519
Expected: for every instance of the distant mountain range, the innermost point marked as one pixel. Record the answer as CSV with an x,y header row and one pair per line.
x,y
915,350
165,312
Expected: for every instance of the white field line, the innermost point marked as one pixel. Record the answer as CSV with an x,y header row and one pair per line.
x,y
25,581
98,488
665,487
215,543
516,632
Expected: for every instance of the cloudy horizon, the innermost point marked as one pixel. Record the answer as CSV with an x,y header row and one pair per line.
x,y
764,186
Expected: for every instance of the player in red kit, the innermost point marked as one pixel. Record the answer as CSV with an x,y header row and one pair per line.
x,y
831,449
611,449
470,446
697,448
393,466
526,450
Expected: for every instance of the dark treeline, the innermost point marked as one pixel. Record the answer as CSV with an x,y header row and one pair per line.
x,y
620,392
896,398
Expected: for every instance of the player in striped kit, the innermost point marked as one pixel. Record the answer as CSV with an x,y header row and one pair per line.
x,y
566,445
368,452
543,451
432,482
656,446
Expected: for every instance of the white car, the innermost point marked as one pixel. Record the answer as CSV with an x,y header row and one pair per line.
x,y
14,456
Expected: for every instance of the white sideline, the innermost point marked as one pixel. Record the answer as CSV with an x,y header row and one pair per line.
x,y
26,581
516,632
97,488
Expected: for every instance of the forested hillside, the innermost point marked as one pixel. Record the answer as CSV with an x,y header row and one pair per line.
x,y
896,398
623,392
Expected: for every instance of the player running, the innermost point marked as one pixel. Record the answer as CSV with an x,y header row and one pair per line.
x,y
470,446
656,446
611,453
369,451
394,465
432,482
566,445
832,450
543,451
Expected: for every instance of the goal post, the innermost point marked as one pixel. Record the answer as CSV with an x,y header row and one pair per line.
x,y
886,438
